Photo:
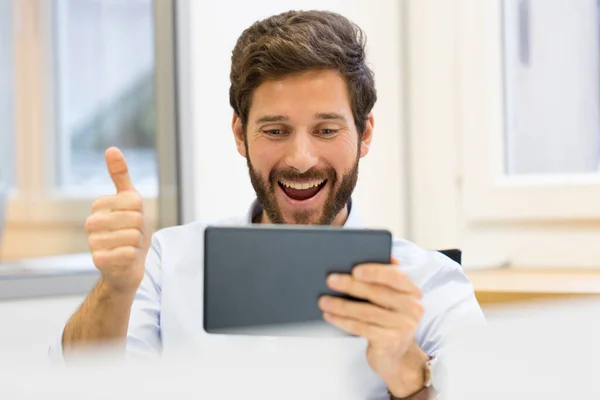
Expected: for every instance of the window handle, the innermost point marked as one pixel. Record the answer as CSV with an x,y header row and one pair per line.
x,y
524,33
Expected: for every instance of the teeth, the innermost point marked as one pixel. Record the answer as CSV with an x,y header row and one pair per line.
x,y
302,186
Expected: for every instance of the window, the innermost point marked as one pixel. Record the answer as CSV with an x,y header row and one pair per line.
x,y
509,93
530,123
104,63
552,86
82,76
6,96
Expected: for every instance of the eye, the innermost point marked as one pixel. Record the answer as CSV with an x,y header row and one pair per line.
x,y
274,132
327,131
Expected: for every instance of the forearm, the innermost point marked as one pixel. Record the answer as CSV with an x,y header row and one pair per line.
x,y
410,377
102,318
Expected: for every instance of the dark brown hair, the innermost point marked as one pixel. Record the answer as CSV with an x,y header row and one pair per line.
x,y
300,41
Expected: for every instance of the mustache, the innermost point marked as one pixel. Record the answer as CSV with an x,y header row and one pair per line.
x,y
292,174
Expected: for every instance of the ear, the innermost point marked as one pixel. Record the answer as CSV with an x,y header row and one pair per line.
x,y
238,135
367,136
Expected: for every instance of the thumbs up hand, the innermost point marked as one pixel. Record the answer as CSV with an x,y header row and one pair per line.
x,y
117,235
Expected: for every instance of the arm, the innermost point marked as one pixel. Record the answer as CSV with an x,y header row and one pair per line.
x,y
102,317
400,334
119,241
451,305
414,375
130,327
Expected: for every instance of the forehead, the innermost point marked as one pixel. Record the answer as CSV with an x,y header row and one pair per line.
x,y
302,94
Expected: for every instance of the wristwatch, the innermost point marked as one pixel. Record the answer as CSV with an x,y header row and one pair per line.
x,y
429,371
427,391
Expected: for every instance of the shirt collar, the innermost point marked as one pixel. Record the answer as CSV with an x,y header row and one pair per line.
x,y
353,221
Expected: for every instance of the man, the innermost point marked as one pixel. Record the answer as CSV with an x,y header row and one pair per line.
x,y
302,96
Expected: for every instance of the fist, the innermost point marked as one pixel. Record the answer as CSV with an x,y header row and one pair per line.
x,y
117,235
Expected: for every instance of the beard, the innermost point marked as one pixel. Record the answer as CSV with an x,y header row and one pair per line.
x,y
337,199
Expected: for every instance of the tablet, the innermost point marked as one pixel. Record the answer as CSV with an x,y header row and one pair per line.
x,y
267,279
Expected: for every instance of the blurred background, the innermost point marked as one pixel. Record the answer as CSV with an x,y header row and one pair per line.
x,y
487,135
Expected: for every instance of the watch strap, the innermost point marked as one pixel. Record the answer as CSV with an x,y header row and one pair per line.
x,y
426,392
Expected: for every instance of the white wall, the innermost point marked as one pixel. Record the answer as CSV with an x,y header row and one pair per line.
x,y
431,114
221,184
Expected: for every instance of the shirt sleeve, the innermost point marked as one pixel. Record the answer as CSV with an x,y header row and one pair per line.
x,y
450,305
143,334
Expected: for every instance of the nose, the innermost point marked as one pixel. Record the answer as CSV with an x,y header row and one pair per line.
x,y
301,152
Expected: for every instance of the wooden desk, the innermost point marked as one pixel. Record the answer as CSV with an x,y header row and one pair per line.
x,y
508,285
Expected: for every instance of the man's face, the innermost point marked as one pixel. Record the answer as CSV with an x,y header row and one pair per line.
x,y
302,148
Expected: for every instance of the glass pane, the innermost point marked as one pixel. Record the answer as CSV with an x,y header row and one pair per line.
x,y
7,111
105,67
552,78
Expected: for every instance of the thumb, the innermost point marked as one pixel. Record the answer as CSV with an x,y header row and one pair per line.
x,y
118,170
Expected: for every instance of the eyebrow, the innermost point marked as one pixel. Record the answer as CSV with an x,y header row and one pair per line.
x,y
330,116
271,118
282,118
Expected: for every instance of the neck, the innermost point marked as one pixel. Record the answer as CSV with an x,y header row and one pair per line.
x,y
339,220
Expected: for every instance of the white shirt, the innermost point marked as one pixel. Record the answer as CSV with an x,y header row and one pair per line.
x,y
167,313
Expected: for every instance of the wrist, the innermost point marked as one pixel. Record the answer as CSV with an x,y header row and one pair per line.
x,y
108,291
410,378
423,394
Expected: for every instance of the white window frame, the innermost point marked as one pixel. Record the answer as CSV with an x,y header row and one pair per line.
x,y
34,201
459,196
488,193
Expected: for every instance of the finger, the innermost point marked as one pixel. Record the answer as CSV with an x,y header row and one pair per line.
x,y
378,294
364,312
113,239
124,201
372,333
118,170
112,221
386,275
119,257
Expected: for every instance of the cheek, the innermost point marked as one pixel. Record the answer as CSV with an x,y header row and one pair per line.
x,y
343,154
349,144
263,155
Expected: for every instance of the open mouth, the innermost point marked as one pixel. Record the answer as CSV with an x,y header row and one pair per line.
x,y
301,191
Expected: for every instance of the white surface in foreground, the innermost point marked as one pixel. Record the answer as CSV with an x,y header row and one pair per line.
x,y
541,352
549,352
248,369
